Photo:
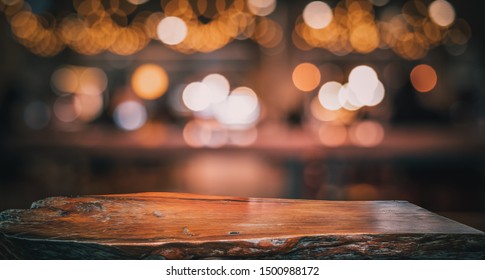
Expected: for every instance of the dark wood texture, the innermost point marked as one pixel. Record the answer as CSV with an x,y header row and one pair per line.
x,y
187,226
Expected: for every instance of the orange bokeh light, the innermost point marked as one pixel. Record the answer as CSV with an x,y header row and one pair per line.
x,y
149,81
424,78
306,76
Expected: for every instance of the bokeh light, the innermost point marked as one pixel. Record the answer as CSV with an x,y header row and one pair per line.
x,y
211,103
332,135
218,86
137,2
423,77
268,34
197,96
320,113
92,81
149,81
366,133
205,26
442,13
194,135
261,7
240,109
65,80
348,98
317,14
359,27
313,81
205,134
328,95
130,115
363,81
378,95
66,108
79,80
306,76
88,106
364,37
243,137
172,30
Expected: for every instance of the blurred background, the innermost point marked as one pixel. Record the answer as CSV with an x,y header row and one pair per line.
x,y
339,100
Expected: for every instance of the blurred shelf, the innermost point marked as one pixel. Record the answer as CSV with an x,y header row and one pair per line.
x,y
157,141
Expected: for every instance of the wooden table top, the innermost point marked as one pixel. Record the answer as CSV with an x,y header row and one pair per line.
x,y
186,226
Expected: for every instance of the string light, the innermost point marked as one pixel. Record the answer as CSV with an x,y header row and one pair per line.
x,y
353,27
98,26
350,26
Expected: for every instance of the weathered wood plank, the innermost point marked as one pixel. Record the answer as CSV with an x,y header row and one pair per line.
x,y
188,226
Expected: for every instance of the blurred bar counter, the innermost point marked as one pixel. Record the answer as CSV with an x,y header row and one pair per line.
x,y
161,142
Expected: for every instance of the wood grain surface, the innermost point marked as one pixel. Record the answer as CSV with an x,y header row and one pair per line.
x,y
189,226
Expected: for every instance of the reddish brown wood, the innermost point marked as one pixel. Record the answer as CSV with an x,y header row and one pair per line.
x,y
188,226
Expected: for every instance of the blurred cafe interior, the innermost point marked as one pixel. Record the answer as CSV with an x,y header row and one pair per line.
x,y
330,100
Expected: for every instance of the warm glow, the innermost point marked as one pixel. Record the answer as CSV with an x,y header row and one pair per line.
x,y
306,76
172,30
366,133
243,137
442,13
268,33
65,80
200,134
130,115
348,98
358,27
320,113
194,135
235,174
30,30
81,90
364,38
79,80
364,88
92,81
239,109
378,95
328,95
197,96
218,86
149,81
338,117
261,7
89,106
362,192
363,81
424,78
188,26
65,108
332,135
317,14
137,2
